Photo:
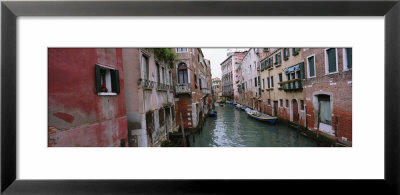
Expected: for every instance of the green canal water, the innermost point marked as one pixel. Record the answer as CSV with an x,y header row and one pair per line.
x,y
233,128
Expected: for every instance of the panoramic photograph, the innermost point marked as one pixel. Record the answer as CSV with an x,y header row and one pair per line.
x,y
199,97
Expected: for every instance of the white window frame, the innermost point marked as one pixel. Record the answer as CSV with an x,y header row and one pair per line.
x,y
108,82
181,50
327,62
144,66
308,67
345,62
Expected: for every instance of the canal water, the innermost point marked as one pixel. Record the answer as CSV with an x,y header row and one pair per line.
x,y
233,128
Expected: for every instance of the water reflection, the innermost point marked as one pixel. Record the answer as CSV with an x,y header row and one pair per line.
x,y
233,128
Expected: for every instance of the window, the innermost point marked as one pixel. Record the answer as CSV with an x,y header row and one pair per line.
x,y
255,81
268,82
272,81
288,76
263,84
182,73
280,79
287,103
311,66
195,81
200,83
158,72
259,81
278,59
286,53
331,61
348,58
180,50
301,104
269,101
163,80
170,78
295,51
281,102
107,80
161,118
145,67
266,49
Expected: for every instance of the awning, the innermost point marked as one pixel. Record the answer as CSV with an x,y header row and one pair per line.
x,y
292,69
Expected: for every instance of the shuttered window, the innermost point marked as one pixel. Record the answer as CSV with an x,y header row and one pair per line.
x,y
302,75
145,67
349,55
272,81
106,80
286,53
268,83
331,60
263,84
311,66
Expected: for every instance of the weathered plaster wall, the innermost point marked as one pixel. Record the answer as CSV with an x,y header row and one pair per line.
x,y
77,115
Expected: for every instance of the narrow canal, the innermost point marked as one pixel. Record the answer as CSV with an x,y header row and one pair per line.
x,y
233,128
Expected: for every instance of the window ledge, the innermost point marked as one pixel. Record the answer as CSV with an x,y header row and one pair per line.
x,y
332,73
107,93
347,69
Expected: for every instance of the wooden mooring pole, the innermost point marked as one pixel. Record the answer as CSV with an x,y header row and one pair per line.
x,y
183,131
319,118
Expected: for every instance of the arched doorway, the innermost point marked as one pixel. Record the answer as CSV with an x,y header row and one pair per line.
x,y
295,111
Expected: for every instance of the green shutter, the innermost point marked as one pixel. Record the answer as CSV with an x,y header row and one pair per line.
x,y
332,59
268,82
97,76
349,57
311,66
280,77
114,81
272,81
302,70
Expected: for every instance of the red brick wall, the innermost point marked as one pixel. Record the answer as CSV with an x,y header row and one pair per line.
x,y
337,85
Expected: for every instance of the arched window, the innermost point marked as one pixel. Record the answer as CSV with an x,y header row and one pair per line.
x,y
182,73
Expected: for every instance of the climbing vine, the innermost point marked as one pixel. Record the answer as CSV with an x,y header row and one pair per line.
x,y
166,55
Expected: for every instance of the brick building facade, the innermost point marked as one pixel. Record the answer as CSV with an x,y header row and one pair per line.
x,y
328,91
193,86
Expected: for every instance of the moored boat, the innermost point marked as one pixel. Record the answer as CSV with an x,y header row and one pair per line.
x,y
212,113
260,116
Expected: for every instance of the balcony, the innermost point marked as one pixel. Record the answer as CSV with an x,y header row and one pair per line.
x,y
162,87
291,85
205,91
146,84
184,88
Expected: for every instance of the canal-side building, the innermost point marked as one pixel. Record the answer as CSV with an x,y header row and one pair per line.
x,y
328,91
217,89
230,78
86,98
282,75
249,79
208,91
191,88
149,95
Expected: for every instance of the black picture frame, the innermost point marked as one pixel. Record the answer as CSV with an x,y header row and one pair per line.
x,y
10,10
